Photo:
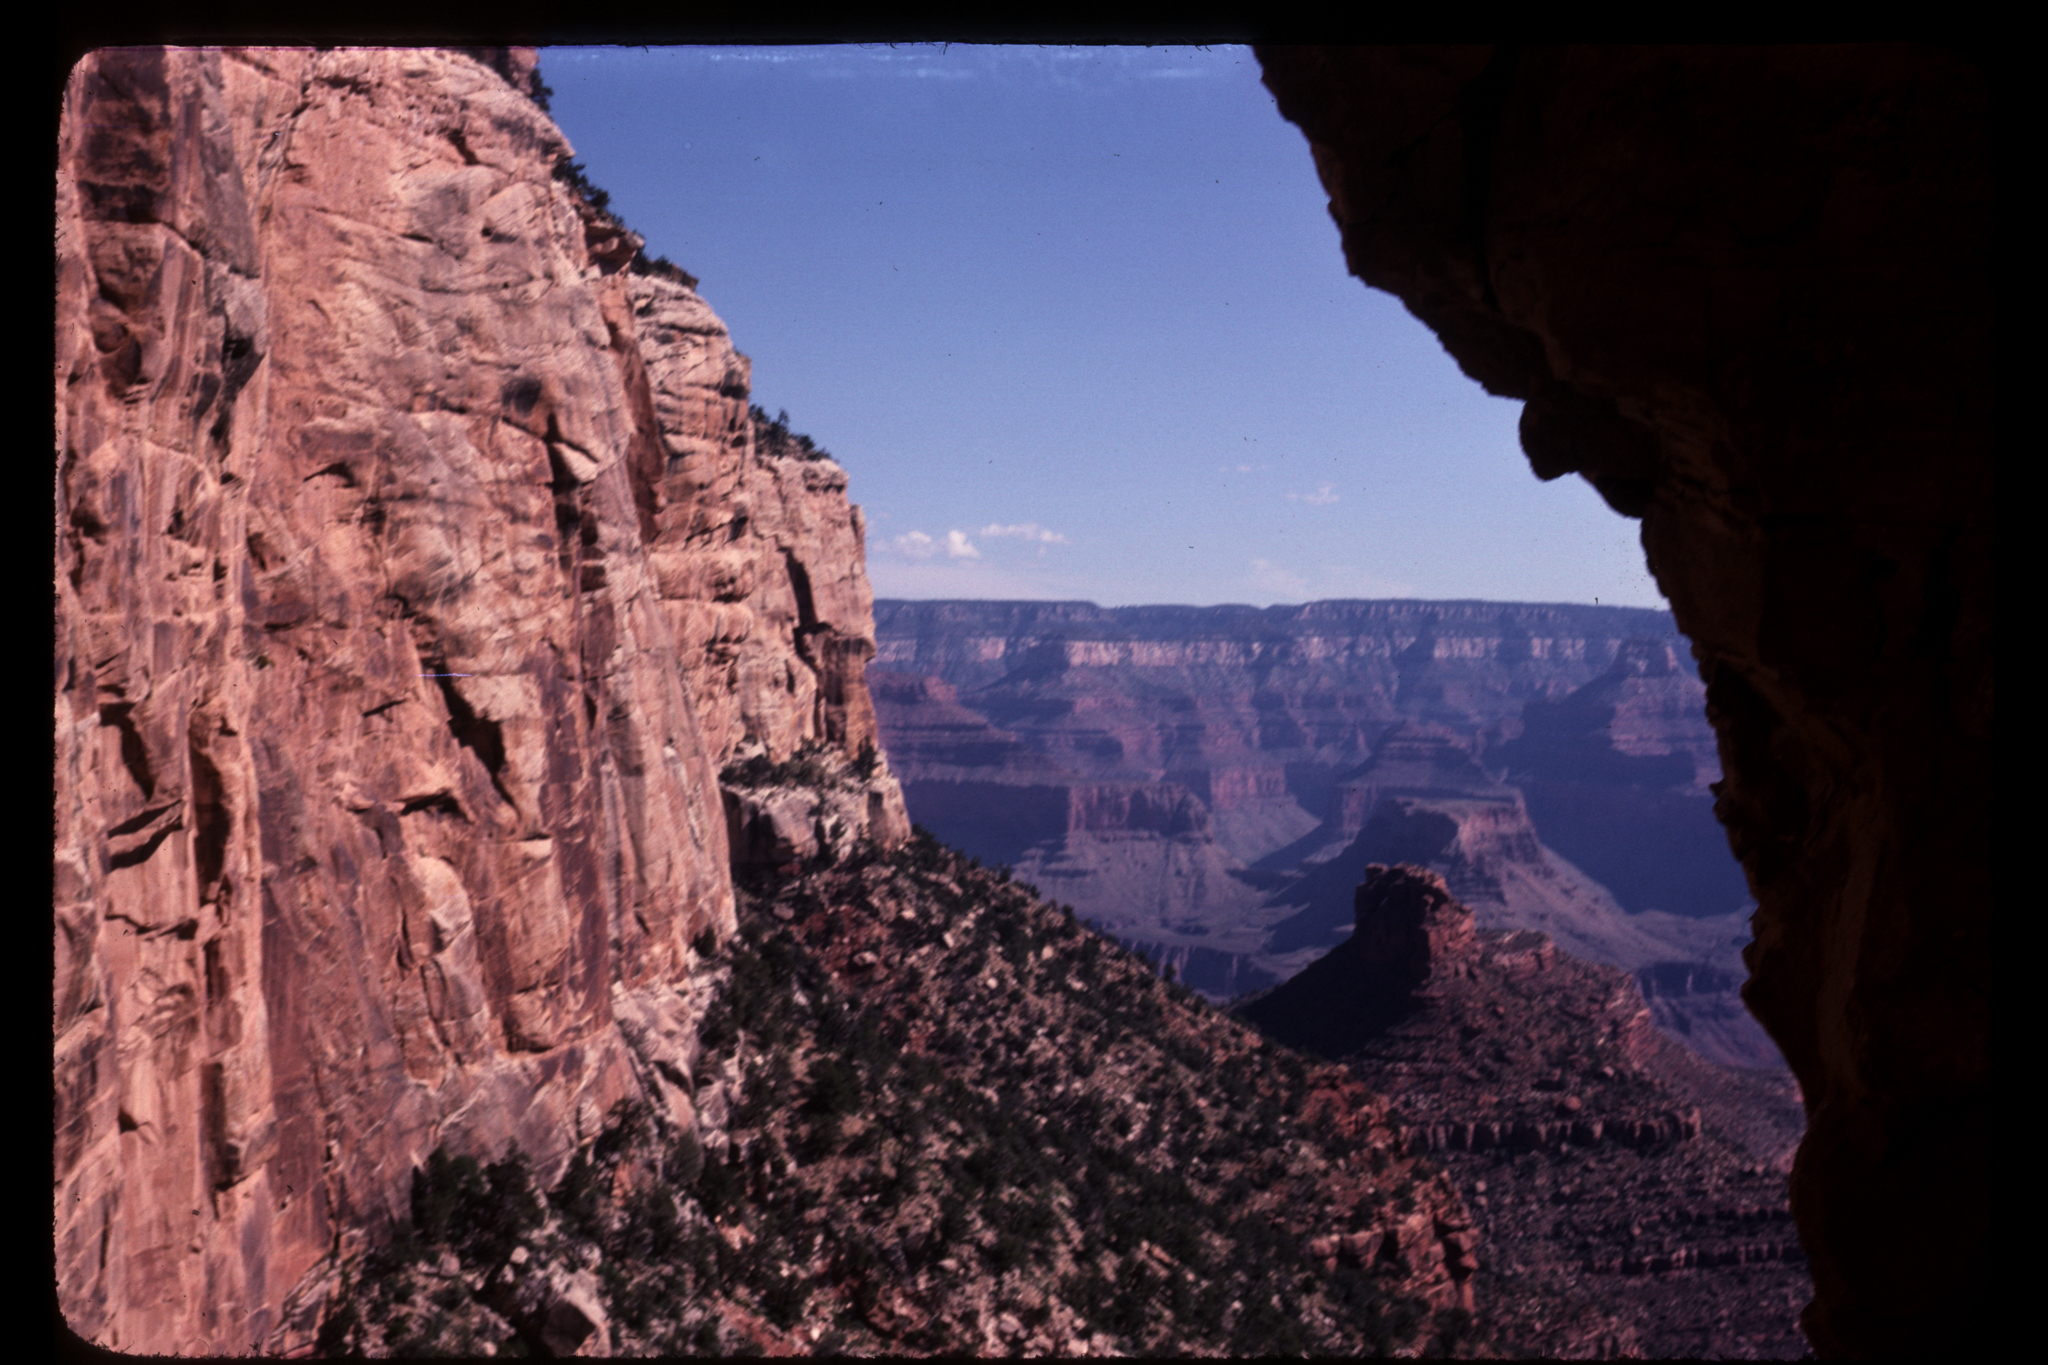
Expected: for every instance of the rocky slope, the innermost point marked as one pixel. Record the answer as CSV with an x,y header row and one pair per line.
x,y
1748,293
418,571
939,1117
1200,781
1628,1193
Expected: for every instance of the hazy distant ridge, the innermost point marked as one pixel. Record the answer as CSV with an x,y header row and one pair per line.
x,y
971,643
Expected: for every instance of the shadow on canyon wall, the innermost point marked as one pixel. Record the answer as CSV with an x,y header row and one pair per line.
x,y
1747,293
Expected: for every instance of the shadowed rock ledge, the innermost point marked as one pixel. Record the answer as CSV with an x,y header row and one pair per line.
x,y
1747,294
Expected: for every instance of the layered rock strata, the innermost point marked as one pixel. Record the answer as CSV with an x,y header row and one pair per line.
x,y
1594,1152
1273,736
1747,293
1252,709
410,596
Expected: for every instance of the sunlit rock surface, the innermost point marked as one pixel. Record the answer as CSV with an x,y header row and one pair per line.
x,y
388,727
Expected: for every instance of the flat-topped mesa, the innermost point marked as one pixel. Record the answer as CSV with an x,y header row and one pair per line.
x,y
1410,928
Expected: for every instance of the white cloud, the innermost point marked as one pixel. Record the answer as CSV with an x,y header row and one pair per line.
x,y
1325,494
1029,530
1270,576
916,545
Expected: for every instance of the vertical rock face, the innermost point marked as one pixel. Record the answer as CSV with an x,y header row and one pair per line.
x,y
758,555
1746,294
387,731
1409,925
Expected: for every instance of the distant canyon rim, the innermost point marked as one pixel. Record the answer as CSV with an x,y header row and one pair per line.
x,y
1209,784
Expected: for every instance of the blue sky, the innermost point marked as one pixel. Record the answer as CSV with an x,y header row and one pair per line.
x,y
1077,324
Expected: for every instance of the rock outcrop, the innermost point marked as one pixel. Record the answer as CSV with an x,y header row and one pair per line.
x,y
1748,294
755,549
1594,1152
1413,760
417,572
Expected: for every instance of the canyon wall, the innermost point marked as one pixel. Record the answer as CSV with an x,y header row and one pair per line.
x,y
418,570
1258,712
1747,294
1554,761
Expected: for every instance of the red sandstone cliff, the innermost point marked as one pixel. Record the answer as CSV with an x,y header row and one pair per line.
x,y
417,571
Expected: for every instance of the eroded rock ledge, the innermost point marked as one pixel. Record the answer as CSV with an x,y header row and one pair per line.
x,y
1747,294
417,572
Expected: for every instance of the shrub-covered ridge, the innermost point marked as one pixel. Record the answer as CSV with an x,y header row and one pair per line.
x,y
937,1115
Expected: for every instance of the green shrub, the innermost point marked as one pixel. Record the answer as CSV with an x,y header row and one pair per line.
x,y
953,1225
572,174
575,1198
626,1127
783,1298
685,1160
650,1230
480,1213
1009,1252
719,1188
